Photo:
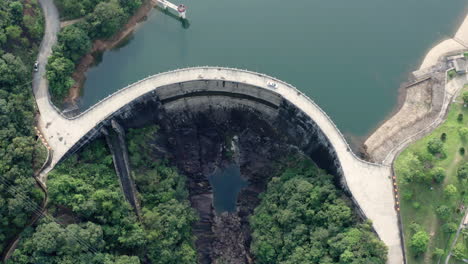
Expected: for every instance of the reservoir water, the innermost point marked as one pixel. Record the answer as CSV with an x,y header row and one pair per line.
x,y
226,183
350,56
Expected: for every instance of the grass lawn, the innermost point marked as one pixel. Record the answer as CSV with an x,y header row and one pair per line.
x,y
420,199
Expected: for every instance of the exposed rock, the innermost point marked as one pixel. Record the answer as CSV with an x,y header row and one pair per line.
x,y
199,138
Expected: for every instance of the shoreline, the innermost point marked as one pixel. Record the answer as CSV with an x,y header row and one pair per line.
x,y
429,64
100,46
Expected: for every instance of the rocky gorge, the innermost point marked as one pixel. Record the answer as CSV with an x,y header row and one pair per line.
x,y
199,138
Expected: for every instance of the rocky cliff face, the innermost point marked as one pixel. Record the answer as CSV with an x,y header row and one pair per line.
x,y
199,136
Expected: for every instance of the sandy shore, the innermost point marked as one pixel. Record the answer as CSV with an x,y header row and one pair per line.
x,y
458,42
422,105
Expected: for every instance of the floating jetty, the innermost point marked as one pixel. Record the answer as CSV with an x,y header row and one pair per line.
x,y
180,9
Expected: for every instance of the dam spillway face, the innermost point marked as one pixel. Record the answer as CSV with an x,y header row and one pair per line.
x,y
221,105
199,121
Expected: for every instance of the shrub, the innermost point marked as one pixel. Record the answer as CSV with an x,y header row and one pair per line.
x,y
407,195
462,151
438,252
435,146
415,227
443,137
462,171
450,190
450,228
451,74
419,242
459,251
460,117
443,212
463,132
438,174
416,205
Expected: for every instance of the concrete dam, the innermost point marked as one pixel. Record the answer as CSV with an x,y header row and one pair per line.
x,y
178,94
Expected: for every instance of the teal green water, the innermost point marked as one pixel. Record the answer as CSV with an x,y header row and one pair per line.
x,y
350,56
226,184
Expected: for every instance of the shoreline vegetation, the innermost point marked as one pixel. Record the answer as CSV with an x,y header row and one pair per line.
x,y
21,30
103,25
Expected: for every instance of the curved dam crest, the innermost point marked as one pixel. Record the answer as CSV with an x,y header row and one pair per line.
x,y
369,184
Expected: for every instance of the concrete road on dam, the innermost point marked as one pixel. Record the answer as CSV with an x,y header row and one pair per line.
x,y
370,184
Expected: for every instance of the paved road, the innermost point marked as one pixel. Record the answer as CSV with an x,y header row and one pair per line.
x,y
52,27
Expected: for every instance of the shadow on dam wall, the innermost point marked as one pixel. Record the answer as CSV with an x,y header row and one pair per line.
x,y
195,121
208,109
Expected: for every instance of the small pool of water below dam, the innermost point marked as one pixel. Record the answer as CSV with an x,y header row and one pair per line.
x,y
227,183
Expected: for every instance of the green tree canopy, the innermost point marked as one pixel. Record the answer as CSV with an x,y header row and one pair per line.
x,y
302,219
419,242
73,42
462,171
435,146
450,190
106,19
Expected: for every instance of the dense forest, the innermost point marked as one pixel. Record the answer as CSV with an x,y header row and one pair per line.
x,y
303,218
101,19
167,216
21,29
93,223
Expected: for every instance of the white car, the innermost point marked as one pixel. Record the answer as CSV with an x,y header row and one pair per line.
x,y
272,85
36,66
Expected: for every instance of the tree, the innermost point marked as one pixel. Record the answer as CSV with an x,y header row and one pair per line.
x,y
438,252
450,227
106,19
13,32
73,42
12,71
409,166
463,132
465,97
415,227
130,5
435,146
438,174
419,242
444,212
59,70
462,171
443,137
16,11
450,190
460,251
3,37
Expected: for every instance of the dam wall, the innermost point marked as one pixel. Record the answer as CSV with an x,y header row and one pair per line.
x,y
207,87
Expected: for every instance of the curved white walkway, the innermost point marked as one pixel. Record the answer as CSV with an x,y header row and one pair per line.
x,y
369,183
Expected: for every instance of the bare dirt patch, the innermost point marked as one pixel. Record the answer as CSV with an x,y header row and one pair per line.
x,y
422,104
